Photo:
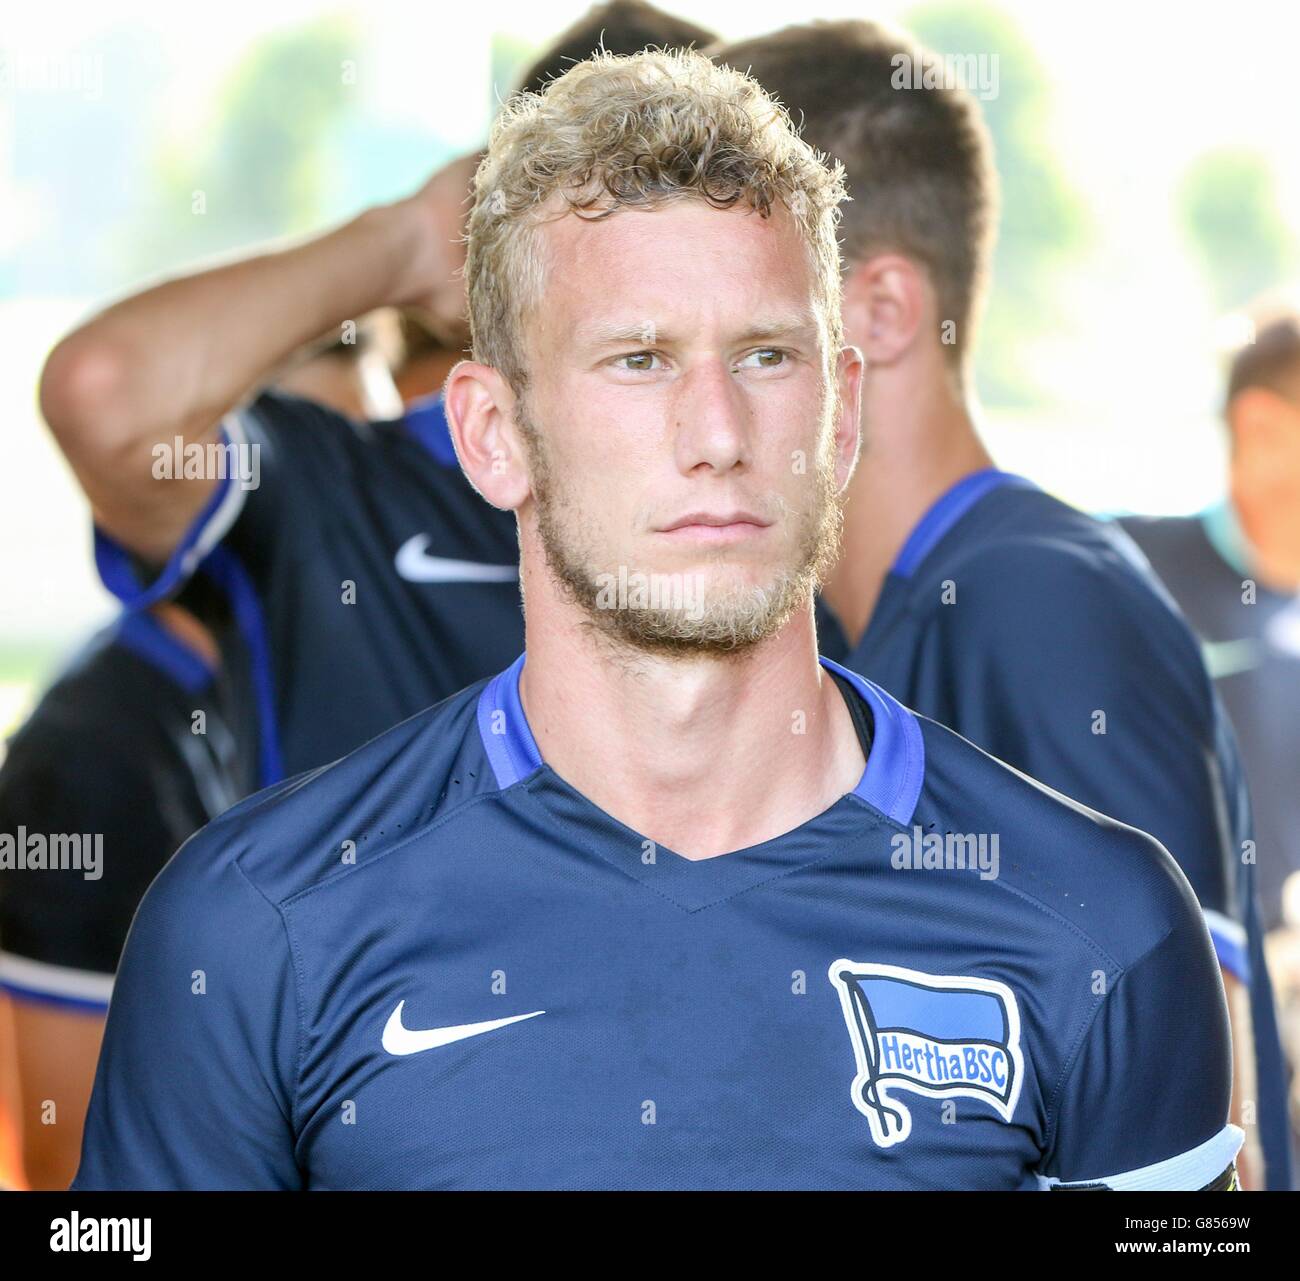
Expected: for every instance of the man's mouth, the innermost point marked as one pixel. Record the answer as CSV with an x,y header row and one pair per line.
x,y
715,527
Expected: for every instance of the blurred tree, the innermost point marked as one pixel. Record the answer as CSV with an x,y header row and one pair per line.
x,y
1043,224
1228,206
261,171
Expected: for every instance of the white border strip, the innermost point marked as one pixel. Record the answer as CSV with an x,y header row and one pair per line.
x,y
228,509
1187,1172
55,980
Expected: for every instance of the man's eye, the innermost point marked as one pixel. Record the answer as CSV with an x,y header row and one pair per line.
x,y
764,358
640,361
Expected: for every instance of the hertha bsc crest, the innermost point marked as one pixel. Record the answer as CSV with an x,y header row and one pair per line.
x,y
932,1034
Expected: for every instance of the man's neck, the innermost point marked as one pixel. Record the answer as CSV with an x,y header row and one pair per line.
x,y
702,756
918,441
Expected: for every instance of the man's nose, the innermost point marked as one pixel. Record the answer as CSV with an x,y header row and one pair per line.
x,y
711,419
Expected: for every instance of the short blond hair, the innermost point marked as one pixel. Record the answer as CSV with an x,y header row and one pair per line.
x,y
635,131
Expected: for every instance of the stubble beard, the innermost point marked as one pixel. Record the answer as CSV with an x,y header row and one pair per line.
x,y
728,622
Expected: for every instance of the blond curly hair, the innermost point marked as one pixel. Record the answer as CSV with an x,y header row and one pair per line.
x,y
635,131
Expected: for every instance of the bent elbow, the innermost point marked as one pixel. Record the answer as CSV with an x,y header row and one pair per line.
x,y
80,384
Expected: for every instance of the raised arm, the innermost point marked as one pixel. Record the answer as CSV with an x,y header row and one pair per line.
x,y
173,359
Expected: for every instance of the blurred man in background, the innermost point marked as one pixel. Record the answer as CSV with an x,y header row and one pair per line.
x,y
146,736
968,593
424,359
351,373
143,739
1235,572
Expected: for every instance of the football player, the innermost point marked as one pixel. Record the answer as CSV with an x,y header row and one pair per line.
x,y
668,902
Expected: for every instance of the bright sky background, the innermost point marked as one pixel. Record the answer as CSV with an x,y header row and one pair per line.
x,y
1139,89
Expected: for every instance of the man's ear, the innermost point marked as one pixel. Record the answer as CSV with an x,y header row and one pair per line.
x,y
888,300
480,407
848,430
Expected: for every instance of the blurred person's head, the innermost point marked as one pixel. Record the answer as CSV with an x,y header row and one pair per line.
x,y
1262,411
658,384
350,371
618,26
424,360
919,228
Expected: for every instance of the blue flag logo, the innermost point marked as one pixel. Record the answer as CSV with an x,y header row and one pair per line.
x,y
937,1035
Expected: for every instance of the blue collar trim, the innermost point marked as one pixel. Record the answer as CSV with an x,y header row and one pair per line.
x,y
895,772
890,783
503,727
946,511
147,638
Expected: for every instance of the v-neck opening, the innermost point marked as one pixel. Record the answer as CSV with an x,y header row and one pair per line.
x,y
889,786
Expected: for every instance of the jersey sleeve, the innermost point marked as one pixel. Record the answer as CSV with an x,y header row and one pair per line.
x,y
1144,1106
262,523
138,585
62,931
196,1081
1088,682
280,460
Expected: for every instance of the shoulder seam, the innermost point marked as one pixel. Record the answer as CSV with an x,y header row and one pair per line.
x,y
432,825
296,958
1072,1061
1083,936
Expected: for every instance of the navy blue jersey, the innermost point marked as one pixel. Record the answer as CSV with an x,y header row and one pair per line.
x,y
435,964
368,578
1250,639
128,753
1042,635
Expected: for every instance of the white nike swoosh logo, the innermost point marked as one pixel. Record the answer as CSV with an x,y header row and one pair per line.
x,y
402,1040
417,567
